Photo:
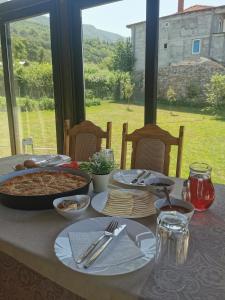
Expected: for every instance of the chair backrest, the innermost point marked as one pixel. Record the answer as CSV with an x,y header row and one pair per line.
x,y
84,139
151,148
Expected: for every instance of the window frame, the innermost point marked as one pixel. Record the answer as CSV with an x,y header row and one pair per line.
x,y
15,11
68,77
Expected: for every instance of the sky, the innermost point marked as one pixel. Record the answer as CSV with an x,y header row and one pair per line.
x,y
115,16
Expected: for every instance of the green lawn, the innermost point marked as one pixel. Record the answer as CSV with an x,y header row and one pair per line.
x,y
204,134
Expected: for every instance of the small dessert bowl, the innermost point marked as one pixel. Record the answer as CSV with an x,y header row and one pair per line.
x,y
180,206
72,207
156,185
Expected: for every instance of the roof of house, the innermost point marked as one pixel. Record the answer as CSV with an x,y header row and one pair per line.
x,y
194,8
197,8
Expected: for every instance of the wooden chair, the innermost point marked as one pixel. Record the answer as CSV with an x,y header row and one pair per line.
x,y
151,147
83,140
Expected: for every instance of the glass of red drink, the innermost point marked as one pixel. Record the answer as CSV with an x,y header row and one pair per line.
x,y
200,190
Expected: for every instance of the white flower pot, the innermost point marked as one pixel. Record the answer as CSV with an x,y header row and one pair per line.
x,y
100,182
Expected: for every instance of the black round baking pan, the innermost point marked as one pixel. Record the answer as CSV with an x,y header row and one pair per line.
x,y
39,202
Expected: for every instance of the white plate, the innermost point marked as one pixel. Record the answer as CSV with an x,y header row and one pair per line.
x,y
57,160
126,176
99,201
140,234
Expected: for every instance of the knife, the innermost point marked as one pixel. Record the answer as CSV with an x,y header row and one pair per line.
x,y
135,180
98,252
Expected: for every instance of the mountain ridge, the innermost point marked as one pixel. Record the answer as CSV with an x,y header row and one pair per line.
x,y
89,31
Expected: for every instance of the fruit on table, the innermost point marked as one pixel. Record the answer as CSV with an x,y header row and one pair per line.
x,y
29,164
19,167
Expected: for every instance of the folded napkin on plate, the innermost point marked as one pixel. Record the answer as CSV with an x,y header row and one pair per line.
x,y
121,249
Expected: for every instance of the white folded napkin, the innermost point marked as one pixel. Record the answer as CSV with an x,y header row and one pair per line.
x,y
121,249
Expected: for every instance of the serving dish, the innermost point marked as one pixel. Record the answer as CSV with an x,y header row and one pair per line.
x,y
141,208
156,185
162,203
72,213
125,177
39,202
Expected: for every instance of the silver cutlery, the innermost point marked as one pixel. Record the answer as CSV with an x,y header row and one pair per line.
x,y
135,180
108,232
99,251
145,177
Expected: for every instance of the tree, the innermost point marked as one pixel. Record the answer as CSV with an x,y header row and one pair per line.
x,y
124,87
123,58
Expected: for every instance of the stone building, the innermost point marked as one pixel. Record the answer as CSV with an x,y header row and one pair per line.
x,y
191,49
193,32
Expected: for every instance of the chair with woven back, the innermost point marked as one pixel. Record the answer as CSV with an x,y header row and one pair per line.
x,y
84,139
151,148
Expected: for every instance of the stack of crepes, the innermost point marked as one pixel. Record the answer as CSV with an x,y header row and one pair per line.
x,y
130,203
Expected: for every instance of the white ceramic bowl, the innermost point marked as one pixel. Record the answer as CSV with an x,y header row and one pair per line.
x,y
163,202
151,185
73,213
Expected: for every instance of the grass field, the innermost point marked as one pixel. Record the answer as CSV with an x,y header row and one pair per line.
x,y
204,134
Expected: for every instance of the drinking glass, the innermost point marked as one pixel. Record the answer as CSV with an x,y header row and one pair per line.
x,y
108,153
172,238
200,190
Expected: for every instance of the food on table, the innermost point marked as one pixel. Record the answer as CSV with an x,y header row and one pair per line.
x,y
72,164
129,203
71,205
177,208
19,167
29,163
42,183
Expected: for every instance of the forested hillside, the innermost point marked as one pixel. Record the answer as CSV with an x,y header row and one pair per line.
x,y
31,41
108,62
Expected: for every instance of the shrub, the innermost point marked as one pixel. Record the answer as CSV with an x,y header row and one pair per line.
x,y
124,87
215,91
27,104
100,81
171,95
46,104
92,102
3,104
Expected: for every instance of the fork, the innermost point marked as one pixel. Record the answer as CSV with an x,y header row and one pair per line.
x,y
108,232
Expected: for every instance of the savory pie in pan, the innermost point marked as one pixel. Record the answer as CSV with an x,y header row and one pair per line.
x,y
42,183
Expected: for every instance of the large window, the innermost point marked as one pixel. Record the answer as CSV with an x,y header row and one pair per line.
x,y
33,85
5,149
191,88
113,69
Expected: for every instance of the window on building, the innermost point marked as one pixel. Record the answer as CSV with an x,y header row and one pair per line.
x,y
165,46
196,46
220,25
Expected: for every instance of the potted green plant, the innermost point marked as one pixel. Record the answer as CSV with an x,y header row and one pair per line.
x,y
100,166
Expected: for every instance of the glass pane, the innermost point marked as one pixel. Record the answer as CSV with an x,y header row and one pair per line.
x,y
114,69
191,86
31,50
2,1
5,149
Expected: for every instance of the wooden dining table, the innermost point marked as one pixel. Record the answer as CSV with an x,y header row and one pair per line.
x,y
29,268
